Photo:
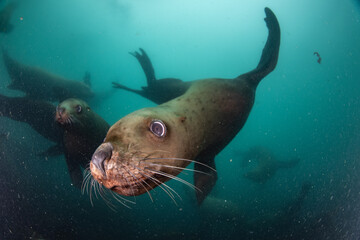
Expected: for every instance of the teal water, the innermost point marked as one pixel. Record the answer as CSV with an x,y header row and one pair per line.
x,y
303,109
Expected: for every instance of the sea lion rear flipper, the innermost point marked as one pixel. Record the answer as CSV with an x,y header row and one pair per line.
x,y
205,177
52,151
118,85
270,52
75,172
146,65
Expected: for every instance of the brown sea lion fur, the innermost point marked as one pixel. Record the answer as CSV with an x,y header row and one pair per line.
x,y
152,145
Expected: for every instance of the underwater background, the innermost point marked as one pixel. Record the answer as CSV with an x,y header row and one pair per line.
x,y
303,110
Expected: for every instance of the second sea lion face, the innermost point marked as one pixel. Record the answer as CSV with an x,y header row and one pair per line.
x,y
141,151
71,111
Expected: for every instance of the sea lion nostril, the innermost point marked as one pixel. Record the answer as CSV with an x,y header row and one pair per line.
x,y
102,153
60,110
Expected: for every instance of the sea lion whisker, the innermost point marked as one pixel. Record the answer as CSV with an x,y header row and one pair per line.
x,y
102,194
128,183
180,168
182,159
87,174
176,178
108,203
83,184
165,188
159,183
96,189
71,121
121,200
91,187
138,180
88,183
168,190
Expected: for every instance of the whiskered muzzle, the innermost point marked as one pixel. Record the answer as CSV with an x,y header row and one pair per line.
x,y
102,153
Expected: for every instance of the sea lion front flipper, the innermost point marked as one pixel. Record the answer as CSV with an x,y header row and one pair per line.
x,y
118,85
270,52
75,172
205,177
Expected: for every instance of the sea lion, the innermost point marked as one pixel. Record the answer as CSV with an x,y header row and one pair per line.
x,y
38,114
266,164
41,85
152,145
5,16
157,90
84,130
318,56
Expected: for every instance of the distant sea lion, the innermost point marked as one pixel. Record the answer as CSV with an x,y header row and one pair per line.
x,y
5,16
38,114
157,90
84,130
41,85
152,145
319,57
266,164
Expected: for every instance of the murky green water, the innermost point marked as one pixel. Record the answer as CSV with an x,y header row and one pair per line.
x,y
302,110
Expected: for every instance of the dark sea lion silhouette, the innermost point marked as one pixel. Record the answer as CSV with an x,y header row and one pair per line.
x,y
319,57
5,16
157,90
266,164
84,130
38,114
39,84
152,145
77,132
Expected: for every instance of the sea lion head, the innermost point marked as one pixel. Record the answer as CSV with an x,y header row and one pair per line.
x,y
141,151
73,113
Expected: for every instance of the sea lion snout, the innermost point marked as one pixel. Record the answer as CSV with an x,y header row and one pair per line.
x,y
60,110
102,153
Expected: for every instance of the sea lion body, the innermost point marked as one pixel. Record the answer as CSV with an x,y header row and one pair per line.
x,y
266,164
84,130
38,114
152,145
42,85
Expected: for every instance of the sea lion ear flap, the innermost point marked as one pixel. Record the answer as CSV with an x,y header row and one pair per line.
x,y
205,177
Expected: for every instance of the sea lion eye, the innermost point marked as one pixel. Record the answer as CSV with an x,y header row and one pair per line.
x,y
158,128
78,108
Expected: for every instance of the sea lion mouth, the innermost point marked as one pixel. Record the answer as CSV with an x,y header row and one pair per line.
x,y
128,173
63,117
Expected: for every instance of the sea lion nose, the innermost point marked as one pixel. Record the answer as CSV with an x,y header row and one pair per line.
x,y
60,110
102,153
